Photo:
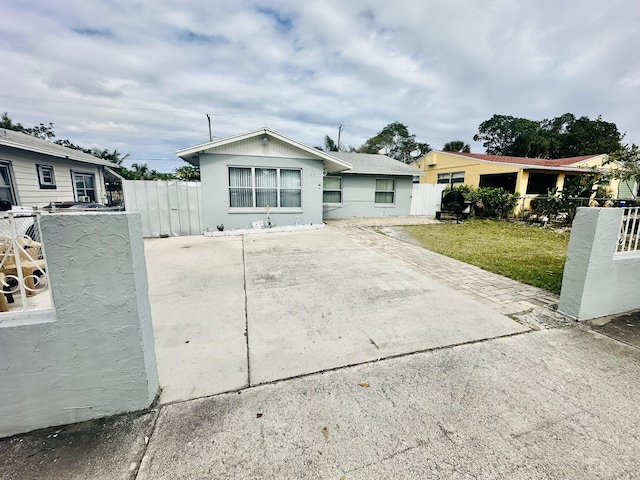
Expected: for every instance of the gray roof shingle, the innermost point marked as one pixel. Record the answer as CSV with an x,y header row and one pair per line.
x,y
375,164
22,141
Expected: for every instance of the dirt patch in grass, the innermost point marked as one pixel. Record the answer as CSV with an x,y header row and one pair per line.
x,y
528,254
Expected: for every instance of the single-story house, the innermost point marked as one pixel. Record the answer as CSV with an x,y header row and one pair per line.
x,y
35,172
375,186
263,176
527,176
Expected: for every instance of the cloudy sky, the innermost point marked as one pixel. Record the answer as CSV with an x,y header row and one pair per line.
x,y
141,75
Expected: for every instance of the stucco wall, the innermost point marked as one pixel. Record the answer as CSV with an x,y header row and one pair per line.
x,y
214,175
358,198
93,355
596,281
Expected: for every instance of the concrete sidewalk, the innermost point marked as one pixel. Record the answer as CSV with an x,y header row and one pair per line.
x,y
552,404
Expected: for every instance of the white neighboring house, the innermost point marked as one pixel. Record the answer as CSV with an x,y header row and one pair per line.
x,y
35,172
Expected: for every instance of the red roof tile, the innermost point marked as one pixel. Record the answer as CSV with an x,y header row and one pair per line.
x,y
560,162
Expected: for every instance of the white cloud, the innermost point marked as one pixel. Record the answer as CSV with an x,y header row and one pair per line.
x,y
140,76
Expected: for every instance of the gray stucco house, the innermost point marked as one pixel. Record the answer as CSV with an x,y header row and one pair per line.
x,y
264,176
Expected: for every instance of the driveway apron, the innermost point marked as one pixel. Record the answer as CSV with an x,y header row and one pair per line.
x,y
319,300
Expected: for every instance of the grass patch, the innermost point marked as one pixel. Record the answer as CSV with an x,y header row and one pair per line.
x,y
525,253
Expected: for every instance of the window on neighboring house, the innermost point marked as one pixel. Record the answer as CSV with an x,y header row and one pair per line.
x,y
45,176
541,183
85,186
451,178
332,190
7,191
385,190
257,187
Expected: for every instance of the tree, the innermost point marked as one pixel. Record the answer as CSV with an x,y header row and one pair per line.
x,y
188,173
329,144
563,136
456,146
628,160
7,123
42,131
395,141
155,175
591,137
507,135
68,144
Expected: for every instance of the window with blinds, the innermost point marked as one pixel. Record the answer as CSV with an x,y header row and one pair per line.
x,y
258,187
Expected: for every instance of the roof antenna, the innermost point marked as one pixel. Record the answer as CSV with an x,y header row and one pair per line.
x,y
209,120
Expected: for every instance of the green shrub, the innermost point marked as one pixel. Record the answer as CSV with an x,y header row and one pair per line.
x,y
489,202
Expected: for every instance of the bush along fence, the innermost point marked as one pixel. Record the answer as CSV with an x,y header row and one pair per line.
x,y
557,207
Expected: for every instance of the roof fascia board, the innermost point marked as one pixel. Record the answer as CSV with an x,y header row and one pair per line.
x,y
114,173
238,138
522,165
369,172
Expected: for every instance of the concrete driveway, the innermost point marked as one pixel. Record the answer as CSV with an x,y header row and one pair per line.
x,y
559,401
238,311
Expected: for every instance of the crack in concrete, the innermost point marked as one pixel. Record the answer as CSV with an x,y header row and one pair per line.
x,y
246,311
419,444
148,433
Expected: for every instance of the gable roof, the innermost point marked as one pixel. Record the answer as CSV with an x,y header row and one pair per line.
x,y
190,154
525,161
22,141
374,163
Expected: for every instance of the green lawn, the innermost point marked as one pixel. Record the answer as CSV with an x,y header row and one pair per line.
x,y
531,255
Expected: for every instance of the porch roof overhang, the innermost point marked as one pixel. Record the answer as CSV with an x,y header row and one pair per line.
x,y
331,163
581,170
112,175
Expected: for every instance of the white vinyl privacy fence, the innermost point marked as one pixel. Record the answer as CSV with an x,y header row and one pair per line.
x,y
425,198
171,208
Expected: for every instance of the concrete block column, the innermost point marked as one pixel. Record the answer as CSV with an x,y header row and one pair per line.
x,y
597,282
94,356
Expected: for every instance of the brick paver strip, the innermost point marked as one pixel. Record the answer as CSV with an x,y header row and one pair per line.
x,y
504,294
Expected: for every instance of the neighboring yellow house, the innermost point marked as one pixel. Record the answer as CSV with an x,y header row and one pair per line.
x,y
527,176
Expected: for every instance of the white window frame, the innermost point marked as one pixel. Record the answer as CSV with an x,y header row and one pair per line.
x,y
393,191
332,190
6,166
81,198
44,184
449,178
253,188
